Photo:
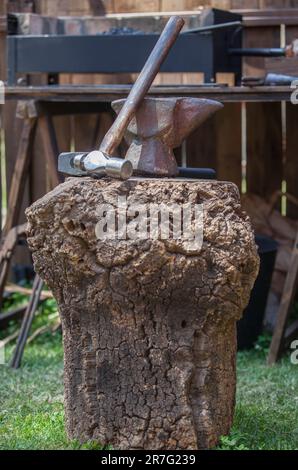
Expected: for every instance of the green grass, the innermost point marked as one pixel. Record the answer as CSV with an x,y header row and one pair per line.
x,y
31,398
32,417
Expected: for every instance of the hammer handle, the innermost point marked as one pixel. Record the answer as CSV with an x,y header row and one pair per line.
x,y
161,49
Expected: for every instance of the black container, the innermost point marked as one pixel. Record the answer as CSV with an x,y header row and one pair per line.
x,y
251,324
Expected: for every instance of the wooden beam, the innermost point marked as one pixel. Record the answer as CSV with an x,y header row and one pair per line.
x,y
107,93
27,322
20,174
217,144
50,148
16,314
11,288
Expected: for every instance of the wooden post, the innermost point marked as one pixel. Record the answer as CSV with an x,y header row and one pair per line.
x,y
50,148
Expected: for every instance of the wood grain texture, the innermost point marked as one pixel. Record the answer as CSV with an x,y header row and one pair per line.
x,y
259,37
14,6
98,7
228,143
109,92
201,146
17,187
13,129
264,148
50,148
217,144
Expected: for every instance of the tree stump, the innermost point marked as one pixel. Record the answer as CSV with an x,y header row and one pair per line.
x,y
149,327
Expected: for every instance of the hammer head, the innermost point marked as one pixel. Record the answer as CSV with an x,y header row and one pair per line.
x,y
94,163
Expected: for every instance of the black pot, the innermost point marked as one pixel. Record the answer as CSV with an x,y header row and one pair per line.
x,y
250,326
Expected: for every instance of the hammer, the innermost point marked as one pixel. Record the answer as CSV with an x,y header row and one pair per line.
x,y
100,162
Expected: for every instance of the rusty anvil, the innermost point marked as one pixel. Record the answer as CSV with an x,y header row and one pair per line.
x,y
159,126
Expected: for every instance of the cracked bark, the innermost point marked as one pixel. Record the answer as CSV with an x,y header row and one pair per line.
x,y
149,329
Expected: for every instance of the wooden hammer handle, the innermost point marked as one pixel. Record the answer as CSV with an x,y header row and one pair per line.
x,y
161,49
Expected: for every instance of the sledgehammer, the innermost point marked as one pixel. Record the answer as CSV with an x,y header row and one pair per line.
x,y
100,162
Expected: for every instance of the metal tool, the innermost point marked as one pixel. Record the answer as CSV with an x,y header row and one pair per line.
x,y
271,79
100,162
214,27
